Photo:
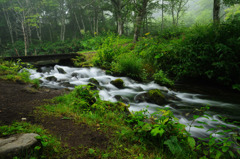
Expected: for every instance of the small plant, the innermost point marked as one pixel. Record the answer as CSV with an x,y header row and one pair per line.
x,y
161,78
161,128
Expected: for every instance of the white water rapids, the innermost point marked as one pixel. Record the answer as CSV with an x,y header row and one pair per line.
x,y
182,107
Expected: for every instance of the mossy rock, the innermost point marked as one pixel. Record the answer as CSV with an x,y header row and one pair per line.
x,y
121,99
94,81
103,106
118,83
51,78
93,86
156,96
61,70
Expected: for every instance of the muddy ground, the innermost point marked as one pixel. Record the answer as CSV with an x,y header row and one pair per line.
x,y
18,101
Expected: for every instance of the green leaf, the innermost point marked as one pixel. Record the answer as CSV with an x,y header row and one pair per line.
x,y
200,122
212,129
91,151
231,154
146,127
37,148
191,142
173,145
156,131
38,130
44,143
218,155
196,116
238,151
205,152
225,148
200,127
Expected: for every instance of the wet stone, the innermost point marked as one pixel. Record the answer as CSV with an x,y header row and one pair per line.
x,y
118,83
16,144
51,78
94,81
121,99
60,70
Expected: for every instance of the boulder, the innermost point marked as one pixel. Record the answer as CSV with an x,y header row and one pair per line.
x,y
74,74
67,84
51,78
60,70
156,96
121,99
152,96
94,81
93,86
16,144
140,97
118,83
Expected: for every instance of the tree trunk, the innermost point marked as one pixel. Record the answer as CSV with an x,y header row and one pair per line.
x,y
25,38
120,26
162,16
141,13
39,32
50,32
216,11
79,28
173,16
83,23
9,24
137,28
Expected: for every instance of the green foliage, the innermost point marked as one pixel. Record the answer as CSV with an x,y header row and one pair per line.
x,y
111,48
161,78
17,71
161,129
129,65
83,99
58,47
211,52
222,146
233,12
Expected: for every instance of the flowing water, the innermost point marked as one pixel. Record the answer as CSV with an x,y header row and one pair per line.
x,y
182,105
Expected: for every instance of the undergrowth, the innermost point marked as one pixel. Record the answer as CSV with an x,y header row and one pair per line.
x,y
17,72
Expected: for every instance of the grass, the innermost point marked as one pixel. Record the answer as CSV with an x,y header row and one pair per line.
x,y
108,117
16,72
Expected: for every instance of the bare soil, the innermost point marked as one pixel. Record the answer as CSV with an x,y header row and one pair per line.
x,y
18,101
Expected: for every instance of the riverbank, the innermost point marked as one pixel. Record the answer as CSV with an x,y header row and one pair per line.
x,y
19,102
88,127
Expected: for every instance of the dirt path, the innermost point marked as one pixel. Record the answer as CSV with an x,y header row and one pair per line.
x,y
18,101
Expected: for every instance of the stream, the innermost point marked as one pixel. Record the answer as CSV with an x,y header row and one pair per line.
x,y
183,104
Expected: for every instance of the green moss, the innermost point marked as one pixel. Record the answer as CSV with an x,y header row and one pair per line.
x,y
156,96
118,83
94,81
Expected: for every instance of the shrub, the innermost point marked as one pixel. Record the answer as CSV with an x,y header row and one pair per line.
x,y
129,65
161,78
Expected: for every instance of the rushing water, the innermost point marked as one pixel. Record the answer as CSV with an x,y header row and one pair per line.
x,y
182,106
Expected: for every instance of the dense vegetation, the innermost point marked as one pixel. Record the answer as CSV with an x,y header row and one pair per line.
x,y
165,50
171,46
206,52
138,135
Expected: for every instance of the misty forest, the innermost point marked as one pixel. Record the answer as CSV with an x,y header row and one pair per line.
x,y
144,79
